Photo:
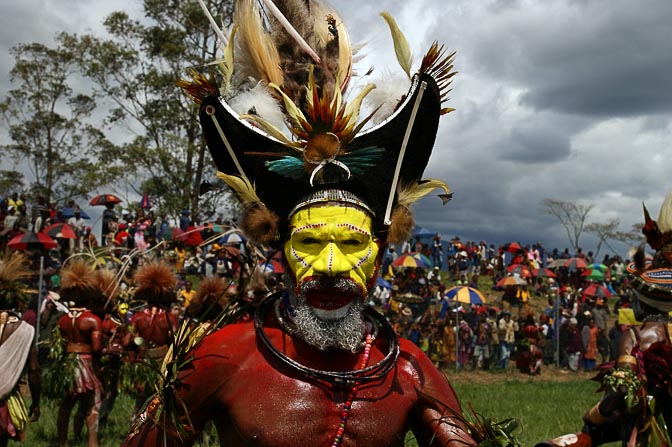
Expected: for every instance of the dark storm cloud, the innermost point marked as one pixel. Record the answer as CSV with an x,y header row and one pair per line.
x,y
529,143
595,58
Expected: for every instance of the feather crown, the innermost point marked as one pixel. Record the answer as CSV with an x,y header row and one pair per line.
x,y
156,283
653,279
13,272
300,50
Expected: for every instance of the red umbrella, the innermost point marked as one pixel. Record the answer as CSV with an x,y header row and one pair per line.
x,y
597,291
173,234
192,237
31,241
62,230
540,273
104,199
522,270
576,263
512,247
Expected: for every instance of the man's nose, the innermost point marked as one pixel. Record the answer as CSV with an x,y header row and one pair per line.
x,y
331,261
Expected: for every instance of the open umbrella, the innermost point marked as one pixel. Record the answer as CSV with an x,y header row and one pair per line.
x,y
31,241
421,232
594,275
104,199
465,294
70,212
511,281
231,238
62,230
597,266
173,234
272,266
554,264
520,269
409,260
512,247
543,273
382,282
576,263
596,291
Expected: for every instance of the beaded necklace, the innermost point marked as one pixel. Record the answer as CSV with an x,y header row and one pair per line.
x,y
345,414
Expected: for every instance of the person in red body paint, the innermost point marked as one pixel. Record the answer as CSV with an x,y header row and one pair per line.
x,y
150,330
81,329
316,366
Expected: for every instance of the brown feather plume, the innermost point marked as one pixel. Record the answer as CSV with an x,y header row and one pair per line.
x,y
156,283
107,283
210,299
401,226
78,282
260,224
13,270
639,258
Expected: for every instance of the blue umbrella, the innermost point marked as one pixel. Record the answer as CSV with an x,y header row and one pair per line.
x,y
383,283
423,232
70,212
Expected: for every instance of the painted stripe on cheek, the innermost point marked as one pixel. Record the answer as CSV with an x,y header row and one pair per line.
x,y
365,258
299,259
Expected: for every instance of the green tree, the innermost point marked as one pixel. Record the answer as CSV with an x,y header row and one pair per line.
x,y
50,124
136,69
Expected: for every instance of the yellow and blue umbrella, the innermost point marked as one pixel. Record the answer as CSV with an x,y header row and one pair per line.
x,y
413,260
465,294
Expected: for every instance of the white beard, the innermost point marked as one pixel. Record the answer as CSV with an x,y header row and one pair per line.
x,y
346,332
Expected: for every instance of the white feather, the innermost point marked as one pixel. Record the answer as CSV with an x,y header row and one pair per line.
x,y
262,102
389,90
665,215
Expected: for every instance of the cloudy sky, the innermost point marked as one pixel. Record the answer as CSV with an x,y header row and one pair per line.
x,y
562,99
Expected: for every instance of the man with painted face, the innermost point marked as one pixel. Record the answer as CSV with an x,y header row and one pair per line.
x,y
316,366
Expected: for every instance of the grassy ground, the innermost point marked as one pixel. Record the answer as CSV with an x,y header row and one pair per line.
x,y
546,406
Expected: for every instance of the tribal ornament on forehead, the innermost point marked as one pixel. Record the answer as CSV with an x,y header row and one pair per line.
x,y
333,241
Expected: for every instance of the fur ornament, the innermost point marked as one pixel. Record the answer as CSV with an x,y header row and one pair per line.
x,y
13,271
260,224
78,282
156,283
210,299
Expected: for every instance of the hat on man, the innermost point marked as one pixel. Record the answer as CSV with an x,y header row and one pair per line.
x,y
652,280
328,159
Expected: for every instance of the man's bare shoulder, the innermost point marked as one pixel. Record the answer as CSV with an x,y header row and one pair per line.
x,y
233,342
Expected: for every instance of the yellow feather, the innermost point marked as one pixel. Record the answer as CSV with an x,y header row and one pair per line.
x,y
258,44
292,110
227,64
414,192
401,47
352,109
269,129
242,187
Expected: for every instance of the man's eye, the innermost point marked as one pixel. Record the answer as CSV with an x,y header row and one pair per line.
x,y
309,241
352,242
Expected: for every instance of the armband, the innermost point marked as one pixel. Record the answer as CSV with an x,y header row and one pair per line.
x,y
595,417
627,358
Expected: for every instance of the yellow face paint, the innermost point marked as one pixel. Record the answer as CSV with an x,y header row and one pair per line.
x,y
332,241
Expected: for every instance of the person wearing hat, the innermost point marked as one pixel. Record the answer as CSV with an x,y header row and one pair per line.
x,y
637,403
317,366
17,352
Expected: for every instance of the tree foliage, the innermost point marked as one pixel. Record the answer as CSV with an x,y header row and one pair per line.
x,y
136,70
571,215
49,123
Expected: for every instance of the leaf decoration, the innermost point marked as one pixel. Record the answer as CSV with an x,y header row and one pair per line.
x,y
401,47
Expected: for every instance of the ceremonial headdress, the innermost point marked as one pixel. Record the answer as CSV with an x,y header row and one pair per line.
x,y
210,299
78,283
13,271
296,56
156,283
653,278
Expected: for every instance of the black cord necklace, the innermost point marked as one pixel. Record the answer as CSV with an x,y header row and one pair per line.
x,y
368,374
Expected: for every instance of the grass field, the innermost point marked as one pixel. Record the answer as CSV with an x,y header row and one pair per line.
x,y
546,406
